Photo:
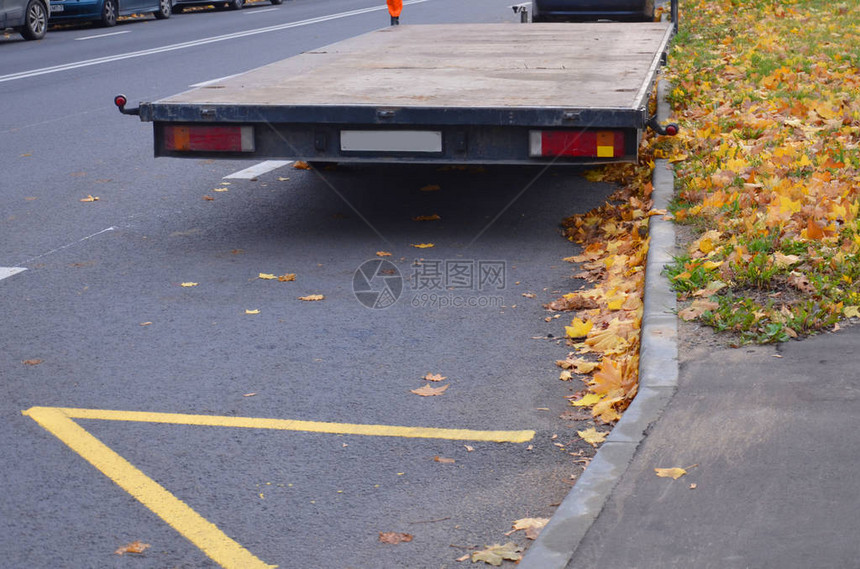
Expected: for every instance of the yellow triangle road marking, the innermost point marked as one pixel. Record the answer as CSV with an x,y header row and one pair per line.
x,y
177,514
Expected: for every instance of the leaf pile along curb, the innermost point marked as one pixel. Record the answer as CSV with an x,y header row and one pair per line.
x,y
606,321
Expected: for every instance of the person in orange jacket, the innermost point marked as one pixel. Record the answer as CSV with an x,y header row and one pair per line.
x,y
394,8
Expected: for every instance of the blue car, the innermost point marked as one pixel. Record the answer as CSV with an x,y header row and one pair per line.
x,y
106,12
591,10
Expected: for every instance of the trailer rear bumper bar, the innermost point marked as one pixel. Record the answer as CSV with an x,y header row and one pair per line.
x,y
430,144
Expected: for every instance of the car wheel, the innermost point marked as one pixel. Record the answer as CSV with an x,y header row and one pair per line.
x,y
235,4
277,2
109,13
164,9
36,21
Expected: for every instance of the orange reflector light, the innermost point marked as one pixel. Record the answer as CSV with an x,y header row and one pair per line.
x,y
209,138
578,143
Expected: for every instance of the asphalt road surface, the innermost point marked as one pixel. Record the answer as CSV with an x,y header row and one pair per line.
x,y
98,320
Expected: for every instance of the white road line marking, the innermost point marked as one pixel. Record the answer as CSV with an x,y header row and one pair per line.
x,y
103,35
258,169
67,245
252,12
211,81
194,43
6,272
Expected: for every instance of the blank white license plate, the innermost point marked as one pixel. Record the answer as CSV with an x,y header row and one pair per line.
x,y
391,141
56,8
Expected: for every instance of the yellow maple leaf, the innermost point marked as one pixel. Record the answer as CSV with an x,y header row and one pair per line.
x,y
578,328
851,311
532,526
188,284
90,198
496,553
592,436
587,401
249,311
673,473
423,245
267,276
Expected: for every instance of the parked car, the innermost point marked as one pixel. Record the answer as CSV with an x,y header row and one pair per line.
x,y
27,17
228,4
591,10
106,12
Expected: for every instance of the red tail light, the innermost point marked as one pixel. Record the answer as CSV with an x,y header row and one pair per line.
x,y
209,138
579,143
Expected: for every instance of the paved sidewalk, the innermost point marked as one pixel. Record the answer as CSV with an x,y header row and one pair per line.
x,y
774,433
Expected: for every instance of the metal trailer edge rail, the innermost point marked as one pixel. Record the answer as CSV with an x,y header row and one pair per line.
x,y
575,93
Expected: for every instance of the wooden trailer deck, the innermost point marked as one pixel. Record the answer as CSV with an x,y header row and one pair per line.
x,y
502,66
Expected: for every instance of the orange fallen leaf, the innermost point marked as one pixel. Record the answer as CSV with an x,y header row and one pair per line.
x,y
433,217
394,538
383,254
301,165
31,362
428,391
434,377
208,198
438,458
289,277
137,547
431,188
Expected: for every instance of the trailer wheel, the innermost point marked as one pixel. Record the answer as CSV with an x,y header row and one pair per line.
x,y
648,11
109,13
35,22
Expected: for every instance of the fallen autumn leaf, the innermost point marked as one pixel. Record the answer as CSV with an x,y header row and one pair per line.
x,y
312,297
394,538
428,391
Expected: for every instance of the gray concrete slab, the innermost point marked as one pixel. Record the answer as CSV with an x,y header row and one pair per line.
x,y
771,432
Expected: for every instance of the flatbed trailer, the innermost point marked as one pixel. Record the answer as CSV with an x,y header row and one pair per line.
x,y
445,94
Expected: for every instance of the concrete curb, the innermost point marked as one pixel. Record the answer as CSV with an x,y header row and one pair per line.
x,y
658,379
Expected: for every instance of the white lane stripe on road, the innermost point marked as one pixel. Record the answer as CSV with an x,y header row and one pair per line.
x,y
194,43
103,35
6,272
258,169
252,12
